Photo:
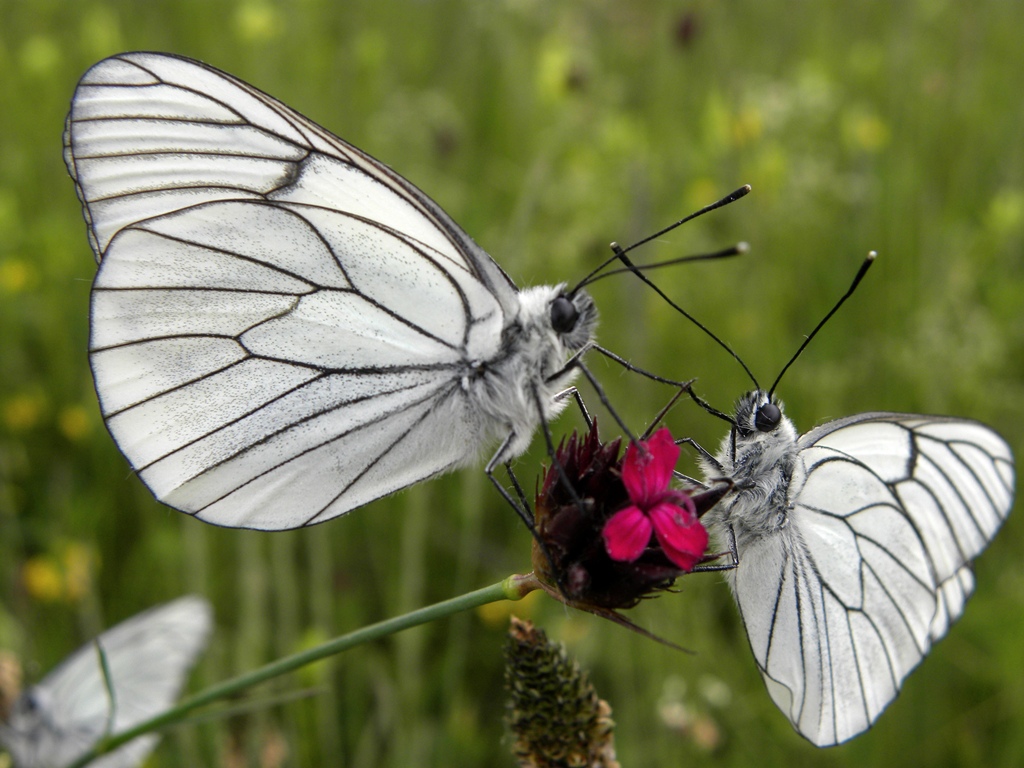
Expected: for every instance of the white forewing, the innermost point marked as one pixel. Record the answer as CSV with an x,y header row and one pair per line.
x,y
282,327
870,563
148,657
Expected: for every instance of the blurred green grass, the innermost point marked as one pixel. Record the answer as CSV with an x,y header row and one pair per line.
x,y
548,130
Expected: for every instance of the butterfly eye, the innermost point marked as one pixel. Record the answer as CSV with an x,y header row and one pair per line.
x,y
29,702
563,315
768,417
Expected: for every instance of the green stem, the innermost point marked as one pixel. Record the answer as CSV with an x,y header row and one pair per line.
x,y
513,588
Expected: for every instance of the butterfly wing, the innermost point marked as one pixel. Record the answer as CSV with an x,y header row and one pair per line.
x,y
887,512
279,321
148,657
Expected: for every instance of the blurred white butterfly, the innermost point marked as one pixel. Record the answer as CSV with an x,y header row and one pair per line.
x,y
148,657
283,328
853,546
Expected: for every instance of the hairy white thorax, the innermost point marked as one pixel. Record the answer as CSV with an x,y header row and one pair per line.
x,y
760,464
530,364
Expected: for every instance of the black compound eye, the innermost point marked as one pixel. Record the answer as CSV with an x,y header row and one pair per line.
x,y
29,702
563,315
768,417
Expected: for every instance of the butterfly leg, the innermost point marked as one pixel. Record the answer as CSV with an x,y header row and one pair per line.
x,y
704,454
661,414
708,407
556,465
701,450
575,394
576,362
688,480
683,385
518,489
731,552
521,507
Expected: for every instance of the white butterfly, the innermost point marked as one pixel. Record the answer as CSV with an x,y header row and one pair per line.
x,y
283,328
854,545
148,656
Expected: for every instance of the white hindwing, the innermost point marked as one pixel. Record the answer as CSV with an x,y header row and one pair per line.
x,y
281,325
148,656
885,513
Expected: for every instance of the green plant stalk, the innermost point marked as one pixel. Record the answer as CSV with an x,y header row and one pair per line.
x,y
514,587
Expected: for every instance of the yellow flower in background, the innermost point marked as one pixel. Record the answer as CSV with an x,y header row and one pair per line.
x,y
747,126
23,412
1005,214
42,578
80,564
74,422
257,22
497,614
40,55
66,577
770,170
317,673
553,68
101,31
865,132
16,275
698,192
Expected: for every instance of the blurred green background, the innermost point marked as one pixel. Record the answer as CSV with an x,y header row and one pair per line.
x,y
548,129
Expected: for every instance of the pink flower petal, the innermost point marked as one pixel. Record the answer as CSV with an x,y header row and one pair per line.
x,y
680,499
647,468
626,534
665,454
680,534
634,473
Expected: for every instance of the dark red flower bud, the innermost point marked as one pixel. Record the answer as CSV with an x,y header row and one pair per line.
x,y
578,554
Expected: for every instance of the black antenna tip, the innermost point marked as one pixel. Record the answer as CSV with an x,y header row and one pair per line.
x,y
732,197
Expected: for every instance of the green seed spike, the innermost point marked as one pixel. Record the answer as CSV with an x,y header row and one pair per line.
x,y
556,717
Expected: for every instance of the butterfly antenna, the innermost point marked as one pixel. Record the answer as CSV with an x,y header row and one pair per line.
x,y
730,198
621,255
733,250
864,267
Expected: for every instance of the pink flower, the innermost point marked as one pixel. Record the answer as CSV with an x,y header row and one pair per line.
x,y
656,508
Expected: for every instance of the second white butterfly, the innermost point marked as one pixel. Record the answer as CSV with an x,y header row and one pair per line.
x,y
148,657
853,546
